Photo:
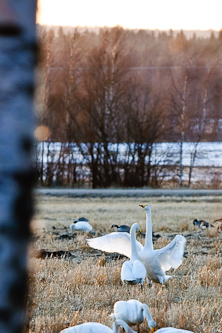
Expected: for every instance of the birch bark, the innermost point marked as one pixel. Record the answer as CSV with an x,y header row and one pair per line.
x,y
17,61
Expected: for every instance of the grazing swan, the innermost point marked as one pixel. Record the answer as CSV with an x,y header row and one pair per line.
x,y
98,328
157,262
133,312
80,225
172,330
121,228
133,271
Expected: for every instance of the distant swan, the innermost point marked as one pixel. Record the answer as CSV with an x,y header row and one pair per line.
x,y
121,228
133,270
202,224
133,312
98,328
80,225
157,262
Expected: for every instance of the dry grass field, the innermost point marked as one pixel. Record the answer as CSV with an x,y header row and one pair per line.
x,y
82,284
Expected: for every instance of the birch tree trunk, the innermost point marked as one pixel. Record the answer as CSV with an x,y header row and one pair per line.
x,y
17,61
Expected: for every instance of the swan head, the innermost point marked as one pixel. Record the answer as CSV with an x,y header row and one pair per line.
x,y
152,325
151,322
72,226
146,207
194,221
136,227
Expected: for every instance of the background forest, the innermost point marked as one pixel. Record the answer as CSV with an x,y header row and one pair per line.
x,y
100,89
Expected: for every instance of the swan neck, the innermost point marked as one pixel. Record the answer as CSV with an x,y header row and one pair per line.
x,y
134,253
148,241
122,323
146,311
71,227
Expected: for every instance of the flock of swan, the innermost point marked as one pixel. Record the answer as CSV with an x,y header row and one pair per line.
x,y
145,262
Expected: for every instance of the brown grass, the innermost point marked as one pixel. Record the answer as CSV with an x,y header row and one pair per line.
x,y
84,287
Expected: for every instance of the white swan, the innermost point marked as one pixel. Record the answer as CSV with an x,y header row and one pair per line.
x,y
157,262
80,225
133,271
98,328
133,312
172,330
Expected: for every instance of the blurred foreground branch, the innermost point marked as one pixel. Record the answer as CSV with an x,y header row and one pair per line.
x,y
17,61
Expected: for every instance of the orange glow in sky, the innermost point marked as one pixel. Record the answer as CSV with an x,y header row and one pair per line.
x,y
145,14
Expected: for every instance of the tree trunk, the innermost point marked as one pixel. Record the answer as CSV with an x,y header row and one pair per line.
x,y
17,61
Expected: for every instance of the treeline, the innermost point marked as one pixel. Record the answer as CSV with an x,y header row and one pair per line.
x,y
124,86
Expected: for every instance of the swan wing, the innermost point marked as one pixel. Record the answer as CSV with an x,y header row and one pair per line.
x,y
133,270
127,271
114,242
172,254
139,270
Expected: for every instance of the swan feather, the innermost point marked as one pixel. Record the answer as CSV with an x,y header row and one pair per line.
x,y
114,242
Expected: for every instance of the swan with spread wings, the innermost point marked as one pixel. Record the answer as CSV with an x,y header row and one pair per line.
x,y
156,262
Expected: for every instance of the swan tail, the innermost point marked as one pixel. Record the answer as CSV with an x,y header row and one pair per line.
x,y
112,316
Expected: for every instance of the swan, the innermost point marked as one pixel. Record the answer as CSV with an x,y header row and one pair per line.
x,y
133,312
133,271
121,228
98,328
157,262
172,330
80,225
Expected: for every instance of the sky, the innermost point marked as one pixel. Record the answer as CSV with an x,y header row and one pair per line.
x,y
133,14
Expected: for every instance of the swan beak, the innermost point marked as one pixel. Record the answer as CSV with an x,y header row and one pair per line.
x,y
142,206
153,329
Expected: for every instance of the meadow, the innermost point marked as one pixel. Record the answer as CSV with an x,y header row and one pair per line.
x,y
70,283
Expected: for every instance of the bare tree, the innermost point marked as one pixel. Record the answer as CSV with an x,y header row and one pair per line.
x,y
145,121
182,94
17,60
98,104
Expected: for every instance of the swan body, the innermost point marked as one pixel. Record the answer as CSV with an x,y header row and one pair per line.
x,y
133,271
157,262
121,228
98,328
133,312
172,330
80,225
